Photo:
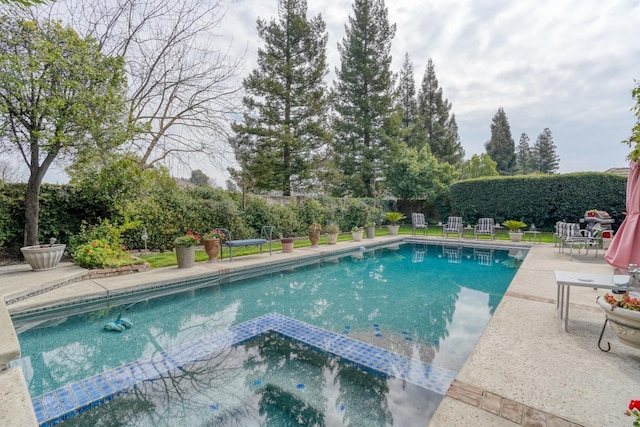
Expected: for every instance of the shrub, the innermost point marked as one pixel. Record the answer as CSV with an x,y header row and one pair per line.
x,y
101,254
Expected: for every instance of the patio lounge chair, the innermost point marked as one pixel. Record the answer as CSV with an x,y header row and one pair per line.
x,y
418,223
453,226
485,227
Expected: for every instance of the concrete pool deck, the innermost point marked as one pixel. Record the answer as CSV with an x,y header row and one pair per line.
x,y
525,370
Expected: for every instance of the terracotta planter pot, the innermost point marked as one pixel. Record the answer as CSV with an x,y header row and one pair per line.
x,y
332,238
186,256
212,248
287,245
314,236
624,323
43,257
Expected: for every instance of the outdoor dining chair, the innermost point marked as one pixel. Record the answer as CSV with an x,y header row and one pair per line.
x,y
453,226
485,227
418,223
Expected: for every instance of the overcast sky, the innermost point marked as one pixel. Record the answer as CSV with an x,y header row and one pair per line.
x,y
568,65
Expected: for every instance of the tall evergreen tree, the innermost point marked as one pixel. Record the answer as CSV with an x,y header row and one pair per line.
x,y
544,153
406,93
286,123
436,121
364,101
523,155
501,147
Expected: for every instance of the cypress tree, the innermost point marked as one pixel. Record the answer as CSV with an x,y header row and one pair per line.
x,y
285,127
363,100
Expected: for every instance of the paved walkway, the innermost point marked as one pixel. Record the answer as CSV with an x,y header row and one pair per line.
x,y
523,371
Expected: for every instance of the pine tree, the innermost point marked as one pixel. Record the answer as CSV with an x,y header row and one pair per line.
x,y
544,153
524,155
440,127
501,147
406,93
364,101
286,123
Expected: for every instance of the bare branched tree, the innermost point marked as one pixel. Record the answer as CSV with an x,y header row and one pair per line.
x,y
183,87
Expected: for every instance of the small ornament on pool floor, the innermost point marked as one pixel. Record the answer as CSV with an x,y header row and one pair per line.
x,y
214,407
300,386
257,383
340,408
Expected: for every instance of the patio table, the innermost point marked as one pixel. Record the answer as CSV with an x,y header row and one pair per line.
x,y
566,279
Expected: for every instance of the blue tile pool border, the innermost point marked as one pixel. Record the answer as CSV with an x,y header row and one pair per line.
x,y
74,398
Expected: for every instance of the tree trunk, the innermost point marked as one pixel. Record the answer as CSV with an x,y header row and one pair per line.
x,y
32,211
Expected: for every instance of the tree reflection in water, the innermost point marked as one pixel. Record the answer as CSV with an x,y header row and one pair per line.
x,y
270,381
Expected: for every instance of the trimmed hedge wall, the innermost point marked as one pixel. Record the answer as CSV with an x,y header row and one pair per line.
x,y
539,199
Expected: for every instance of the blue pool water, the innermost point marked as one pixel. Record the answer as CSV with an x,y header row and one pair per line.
x,y
424,302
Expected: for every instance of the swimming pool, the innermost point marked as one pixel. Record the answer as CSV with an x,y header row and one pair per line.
x,y
424,302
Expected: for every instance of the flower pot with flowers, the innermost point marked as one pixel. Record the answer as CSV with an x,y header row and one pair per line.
x,y
186,249
212,241
623,316
332,231
314,233
356,233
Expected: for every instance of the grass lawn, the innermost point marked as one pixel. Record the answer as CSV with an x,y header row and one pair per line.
x,y
167,259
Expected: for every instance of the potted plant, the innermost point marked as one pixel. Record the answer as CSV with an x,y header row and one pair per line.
x,y
356,233
623,313
212,241
514,227
332,231
370,227
592,212
43,257
287,244
186,249
393,218
314,233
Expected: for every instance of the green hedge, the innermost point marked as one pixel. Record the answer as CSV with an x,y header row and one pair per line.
x,y
539,199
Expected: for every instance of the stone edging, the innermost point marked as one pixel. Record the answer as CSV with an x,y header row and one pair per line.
x,y
89,275
503,407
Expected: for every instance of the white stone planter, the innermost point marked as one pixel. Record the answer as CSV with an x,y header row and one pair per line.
x,y
357,235
625,323
515,237
332,238
393,229
43,257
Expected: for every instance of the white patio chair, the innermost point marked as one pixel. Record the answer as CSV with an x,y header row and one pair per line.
x,y
485,227
418,223
453,226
